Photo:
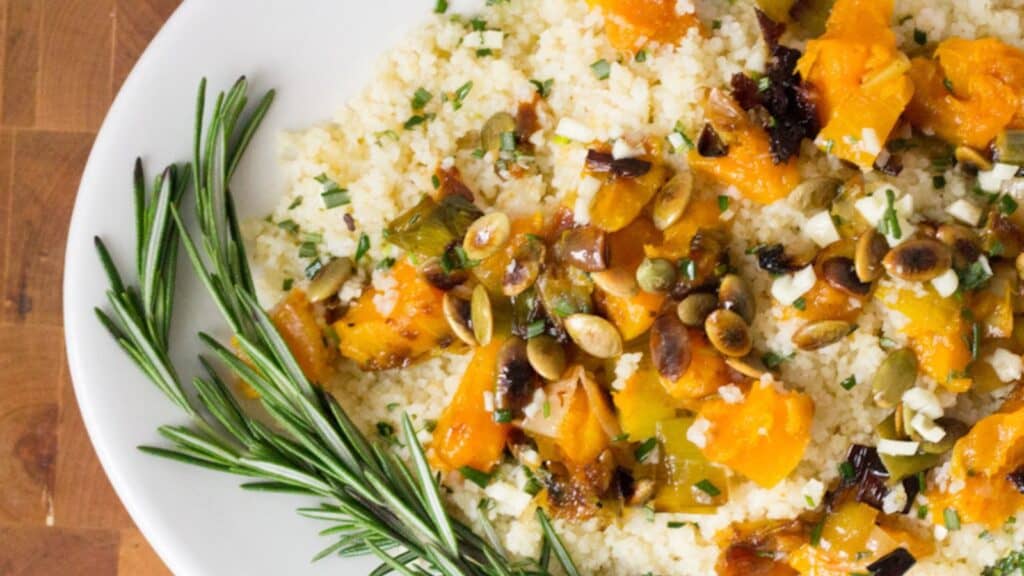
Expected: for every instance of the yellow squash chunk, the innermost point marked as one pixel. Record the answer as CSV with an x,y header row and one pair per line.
x,y
466,433
632,315
620,200
853,537
295,321
748,165
413,328
702,213
762,437
823,302
937,332
971,91
706,373
687,482
491,270
860,78
642,403
980,500
630,24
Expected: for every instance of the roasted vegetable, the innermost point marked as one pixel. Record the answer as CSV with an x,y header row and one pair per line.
x,y
624,193
706,371
430,227
642,403
687,482
630,24
296,321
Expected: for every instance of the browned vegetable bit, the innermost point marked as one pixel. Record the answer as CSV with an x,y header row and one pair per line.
x,y
918,260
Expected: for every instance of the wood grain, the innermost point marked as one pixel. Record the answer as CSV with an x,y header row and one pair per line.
x,y
61,62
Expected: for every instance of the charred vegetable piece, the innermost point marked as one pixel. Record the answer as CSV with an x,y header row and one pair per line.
x,y
688,483
670,347
296,320
583,247
774,260
601,162
466,433
515,380
621,198
706,371
630,24
869,479
642,403
430,227
762,437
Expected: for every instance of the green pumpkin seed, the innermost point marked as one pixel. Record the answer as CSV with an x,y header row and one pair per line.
x,y
655,275
896,374
546,356
871,249
695,308
734,295
329,279
819,334
672,200
487,235
482,315
496,125
955,430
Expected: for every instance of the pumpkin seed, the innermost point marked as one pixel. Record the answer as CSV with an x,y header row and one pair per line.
x,y
1010,147
655,275
895,375
616,281
594,335
329,279
547,356
728,333
672,200
954,429
734,295
918,260
871,249
819,334
695,308
841,273
524,268
457,313
487,235
815,194
481,315
900,467
496,125
670,347
747,366
964,243
973,158
513,386
901,420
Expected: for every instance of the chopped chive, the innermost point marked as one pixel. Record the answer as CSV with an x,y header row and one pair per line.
x,y
602,69
723,203
800,303
951,518
675,524
1007,205
307,250
997,249
392,405
314,237
508,141
644,449
948,84
922,512
816,533
688,268
533,486
543,87
288,226
920,37
385,430
483,52
441,7
846,470
534,329
295,203
362,247
478,24
640,57
849,382
421,98
385,263
503,416
481,479
938,182
414,121
764,83
287,284
773,360
546,408
478,153
435,181
708,488
460,95
313,268
716,24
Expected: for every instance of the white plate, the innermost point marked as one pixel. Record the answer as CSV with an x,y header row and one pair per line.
x,y
316,53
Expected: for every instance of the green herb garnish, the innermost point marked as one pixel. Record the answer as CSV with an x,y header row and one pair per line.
x,y
362,247
645,449
708,488
602,69
421,98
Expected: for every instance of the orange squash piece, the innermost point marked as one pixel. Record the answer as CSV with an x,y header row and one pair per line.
x,y
413,328
630,24
296,322
580,422
702,213
748,165
762,437
466,433
620,200
491,270
642,403
706,373
860,79
631,315
969,92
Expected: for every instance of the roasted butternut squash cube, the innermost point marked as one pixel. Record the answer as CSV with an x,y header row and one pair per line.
x,y
621,199
687,482
296,321
749,165
630,24
706,373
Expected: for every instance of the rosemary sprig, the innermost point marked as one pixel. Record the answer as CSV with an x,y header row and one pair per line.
x,y
373,501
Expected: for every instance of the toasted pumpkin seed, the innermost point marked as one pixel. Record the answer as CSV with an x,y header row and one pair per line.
x,y
481,315
594,335
747,366
655,275
971,157
670,347
329,279
734,295
819,334
513,386
547,356
457,312
895,375
695,308
616,281
487,235
524,268
841,273
918,260
496,125
871,249
901,420
815,194
672,200
964,243
728,333
1010,147
954,429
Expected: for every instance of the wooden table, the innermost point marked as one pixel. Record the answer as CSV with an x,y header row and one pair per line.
x,y
62,63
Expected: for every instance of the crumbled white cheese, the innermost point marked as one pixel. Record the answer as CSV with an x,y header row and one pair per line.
x,y
625,367
871,209
946,283
677,141
870,142
573,130
941,532
731,394
530,457
992,180
684,7
813,492
821,229
965,211
509,500
484,39
927,428
874,206
536,403
488,401
623,149
895,500
923,401
585,193
1008,366
697,432
897,447
788,287
448,162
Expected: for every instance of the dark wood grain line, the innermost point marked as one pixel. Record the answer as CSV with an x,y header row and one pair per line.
x,y
21,62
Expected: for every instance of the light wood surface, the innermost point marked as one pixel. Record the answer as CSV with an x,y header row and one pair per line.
x,y
61,62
